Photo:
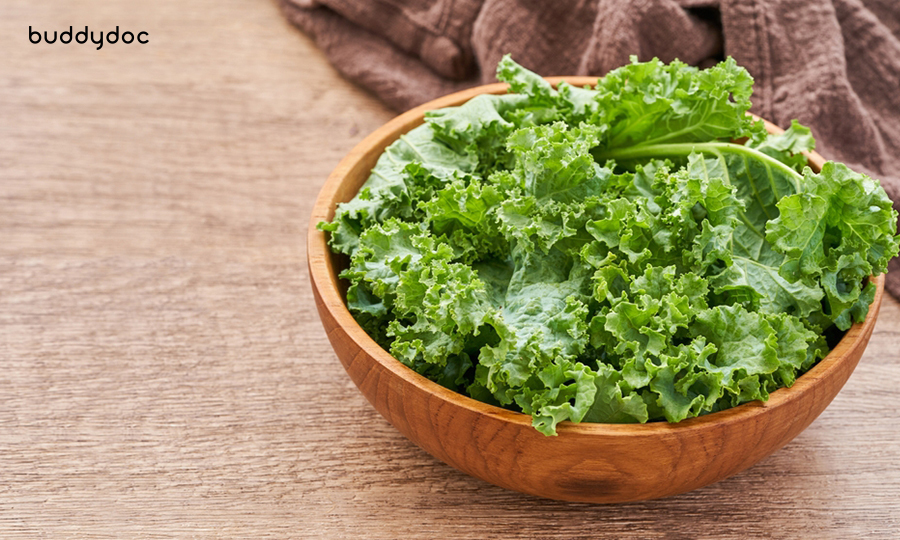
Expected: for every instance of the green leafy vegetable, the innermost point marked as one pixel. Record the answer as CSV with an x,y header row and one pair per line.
x,y
608,254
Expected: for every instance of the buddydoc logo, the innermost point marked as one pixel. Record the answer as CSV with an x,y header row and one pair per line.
x,y
82,36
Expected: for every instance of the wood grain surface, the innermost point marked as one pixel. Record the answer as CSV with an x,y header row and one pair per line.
x,y
164,371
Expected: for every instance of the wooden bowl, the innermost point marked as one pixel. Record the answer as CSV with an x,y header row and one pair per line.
x,y
599,463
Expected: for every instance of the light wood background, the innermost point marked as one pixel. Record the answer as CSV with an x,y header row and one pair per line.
x,y
163,372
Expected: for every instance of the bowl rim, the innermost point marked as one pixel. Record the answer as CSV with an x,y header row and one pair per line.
x,y
325,283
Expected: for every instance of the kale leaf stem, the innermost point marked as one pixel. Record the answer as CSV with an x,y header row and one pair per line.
x,y
685,149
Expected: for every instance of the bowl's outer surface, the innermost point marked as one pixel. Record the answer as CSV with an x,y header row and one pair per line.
x,y
600,463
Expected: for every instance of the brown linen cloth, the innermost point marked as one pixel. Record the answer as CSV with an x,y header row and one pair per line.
x,y
832,64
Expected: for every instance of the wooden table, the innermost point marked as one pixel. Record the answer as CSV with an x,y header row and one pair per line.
x,y
164,369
